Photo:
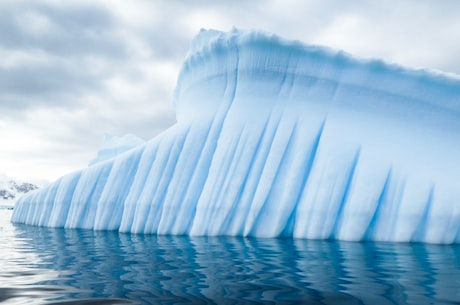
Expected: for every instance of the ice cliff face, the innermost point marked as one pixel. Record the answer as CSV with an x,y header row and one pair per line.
x,y
278,138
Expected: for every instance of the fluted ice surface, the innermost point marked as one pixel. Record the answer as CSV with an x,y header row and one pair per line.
x,y
279,138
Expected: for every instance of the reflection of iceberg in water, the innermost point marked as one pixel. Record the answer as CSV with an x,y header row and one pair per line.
x,y
276,138
149,268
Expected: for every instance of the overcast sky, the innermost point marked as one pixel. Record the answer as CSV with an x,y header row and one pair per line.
x,y
71,71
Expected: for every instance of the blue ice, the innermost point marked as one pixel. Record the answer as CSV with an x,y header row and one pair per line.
x,y
279,138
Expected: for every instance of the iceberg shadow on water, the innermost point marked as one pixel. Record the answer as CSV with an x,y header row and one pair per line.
x,y
278,138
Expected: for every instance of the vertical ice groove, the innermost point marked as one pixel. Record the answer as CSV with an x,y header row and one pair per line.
x,y
36,208
200,175
232,201
66,190
132,200
175,201
371,228
189,197
152,188
29,204
265,208
83,206
215,185
156,207
234,222
419,233
238,182
22,208
47,205
338,221
386,222
149,210
259,167
270,217
217,206
296,230
111,204
149,188
216,130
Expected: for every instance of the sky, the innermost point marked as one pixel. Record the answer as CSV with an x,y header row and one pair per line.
x,y
72,71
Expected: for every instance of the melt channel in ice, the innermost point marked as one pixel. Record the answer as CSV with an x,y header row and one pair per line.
x,y
278,138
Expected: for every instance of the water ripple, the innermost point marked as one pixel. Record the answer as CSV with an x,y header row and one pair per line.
x,y
58,266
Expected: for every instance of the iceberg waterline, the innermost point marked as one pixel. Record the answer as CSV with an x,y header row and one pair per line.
x,y
277,138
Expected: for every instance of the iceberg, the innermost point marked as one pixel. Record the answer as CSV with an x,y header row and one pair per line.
x,y
276,138
114,146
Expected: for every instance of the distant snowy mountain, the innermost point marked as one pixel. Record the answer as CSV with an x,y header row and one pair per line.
x,y
11,189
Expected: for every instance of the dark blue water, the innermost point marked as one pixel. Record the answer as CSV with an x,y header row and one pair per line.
x,y
54,266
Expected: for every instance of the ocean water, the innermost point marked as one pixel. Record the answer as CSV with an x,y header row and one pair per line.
x,y
59,266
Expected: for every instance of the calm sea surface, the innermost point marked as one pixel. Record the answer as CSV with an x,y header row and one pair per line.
x,y
56,266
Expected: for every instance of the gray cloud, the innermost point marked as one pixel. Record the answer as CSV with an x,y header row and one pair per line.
x,y
71,71
46,52
62,30
49,85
